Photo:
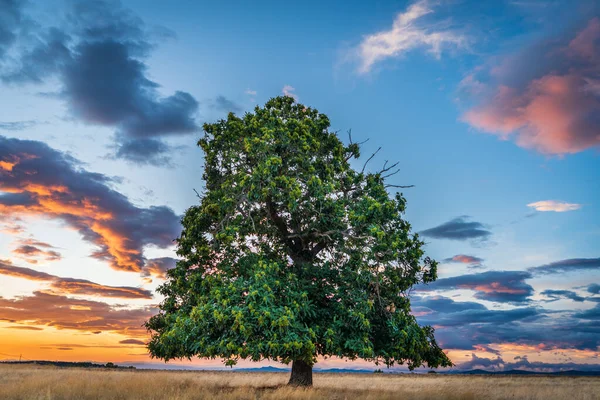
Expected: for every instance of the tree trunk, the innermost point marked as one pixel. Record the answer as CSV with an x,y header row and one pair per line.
x,y
301,374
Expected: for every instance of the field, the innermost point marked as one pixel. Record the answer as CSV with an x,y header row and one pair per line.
x,y
49,383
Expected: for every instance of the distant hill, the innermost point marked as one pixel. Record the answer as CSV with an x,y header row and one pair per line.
x,y
67,364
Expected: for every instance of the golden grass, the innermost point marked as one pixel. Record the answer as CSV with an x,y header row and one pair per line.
x,y
51,383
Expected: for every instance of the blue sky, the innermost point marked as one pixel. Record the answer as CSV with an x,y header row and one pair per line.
x,y
491,108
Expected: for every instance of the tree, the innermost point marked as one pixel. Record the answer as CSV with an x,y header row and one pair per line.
x,y
292,253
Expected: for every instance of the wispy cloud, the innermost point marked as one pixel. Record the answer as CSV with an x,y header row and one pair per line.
x,y
408,32
568,265
17,125
62,312
289,91
72,285
460,228
554,205
224,104
32,251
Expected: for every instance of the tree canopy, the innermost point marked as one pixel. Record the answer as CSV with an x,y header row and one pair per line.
x,y
292,253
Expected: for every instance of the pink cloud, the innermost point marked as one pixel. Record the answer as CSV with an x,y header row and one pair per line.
x,y
555,110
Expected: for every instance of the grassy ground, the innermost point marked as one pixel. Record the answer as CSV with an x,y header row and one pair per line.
x,y
33,383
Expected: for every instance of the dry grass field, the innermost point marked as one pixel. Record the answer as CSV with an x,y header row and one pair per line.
x,y
52,383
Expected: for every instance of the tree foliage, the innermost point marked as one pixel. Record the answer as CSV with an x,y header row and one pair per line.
x,y
291,253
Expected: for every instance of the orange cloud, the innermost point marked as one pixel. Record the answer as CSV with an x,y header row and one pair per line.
x,y
45,309
74,286
36,180
556,111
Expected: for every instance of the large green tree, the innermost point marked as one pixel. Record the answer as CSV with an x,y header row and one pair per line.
x,y
292,253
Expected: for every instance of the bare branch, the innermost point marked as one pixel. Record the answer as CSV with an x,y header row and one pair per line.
x,y
386,169
390,174
399,186
369,159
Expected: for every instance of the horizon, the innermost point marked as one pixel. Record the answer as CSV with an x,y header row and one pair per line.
x,y
490,108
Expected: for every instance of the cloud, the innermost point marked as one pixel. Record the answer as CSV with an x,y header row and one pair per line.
x,y
61,312
459,228
497,286
38,180
46,57
470,325
408,32
25,328
10,19
569,265
133,341
222,103
17,125
74,286
546,97
251,92
554,205
289,91
591,314
594,288
99,58
142,151
31,251
555,295
471,261
522,363
159,266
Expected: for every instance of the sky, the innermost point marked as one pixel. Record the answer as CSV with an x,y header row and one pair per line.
x,y
492,110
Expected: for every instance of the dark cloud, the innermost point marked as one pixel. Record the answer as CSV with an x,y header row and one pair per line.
x,y
222,103
105,85
594,288
439,304
159,266
143,151
497,286
45,182
471,261
32,251
472,326
569,265
522,363
99,57
555,295
591,314
45,309
10,19
448,313
74,286
546,96
133,341
459,228
25,328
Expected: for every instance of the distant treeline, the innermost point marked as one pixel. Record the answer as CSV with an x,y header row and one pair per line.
x,y
69,364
